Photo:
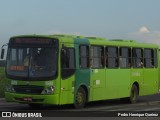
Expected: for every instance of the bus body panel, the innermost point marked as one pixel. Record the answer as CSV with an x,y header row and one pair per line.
x,y
97,84
100,84
117,83
150,81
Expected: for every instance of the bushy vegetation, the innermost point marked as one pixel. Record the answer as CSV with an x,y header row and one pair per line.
x,y
2,63
3,81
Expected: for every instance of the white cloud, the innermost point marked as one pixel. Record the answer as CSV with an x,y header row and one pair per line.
x,y
146,35
144,30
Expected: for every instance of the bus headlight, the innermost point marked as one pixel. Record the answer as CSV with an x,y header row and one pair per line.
x,y
10,89
48,90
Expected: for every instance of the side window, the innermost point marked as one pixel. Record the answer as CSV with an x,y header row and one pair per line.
x,y
112,57
97,56
125,57
137,57
150,58
67,62
84,56
155,58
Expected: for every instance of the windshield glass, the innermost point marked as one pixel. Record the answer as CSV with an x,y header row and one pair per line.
x,y
32,63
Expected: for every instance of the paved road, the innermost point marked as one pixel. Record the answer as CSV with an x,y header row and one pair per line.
x,y
145,104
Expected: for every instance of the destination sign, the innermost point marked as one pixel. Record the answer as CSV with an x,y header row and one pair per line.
x,y
32,40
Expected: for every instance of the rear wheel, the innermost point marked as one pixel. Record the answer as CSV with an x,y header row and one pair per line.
x,y
134,94
80,99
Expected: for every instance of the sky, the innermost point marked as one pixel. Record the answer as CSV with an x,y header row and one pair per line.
x,y
112,19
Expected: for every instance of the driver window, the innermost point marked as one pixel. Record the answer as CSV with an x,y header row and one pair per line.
x,y
67,62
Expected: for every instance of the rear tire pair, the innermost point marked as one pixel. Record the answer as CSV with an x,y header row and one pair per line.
x,y
133,95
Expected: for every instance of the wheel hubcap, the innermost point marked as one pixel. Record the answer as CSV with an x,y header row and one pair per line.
x,y
79,98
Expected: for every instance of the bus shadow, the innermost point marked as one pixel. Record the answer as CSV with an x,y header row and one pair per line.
x,y
90,105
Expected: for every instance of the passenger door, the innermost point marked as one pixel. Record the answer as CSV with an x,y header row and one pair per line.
x,y
67,74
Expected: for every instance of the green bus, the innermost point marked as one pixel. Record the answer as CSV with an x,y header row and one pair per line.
x,y
68,69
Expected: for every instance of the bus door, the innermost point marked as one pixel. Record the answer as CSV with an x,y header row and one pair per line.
x,y
67,74
97,72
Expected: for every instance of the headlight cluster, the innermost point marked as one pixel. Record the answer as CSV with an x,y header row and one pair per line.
x,y
10,89
48,90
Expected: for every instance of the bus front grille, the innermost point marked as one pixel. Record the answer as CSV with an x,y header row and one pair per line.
x,y
28,89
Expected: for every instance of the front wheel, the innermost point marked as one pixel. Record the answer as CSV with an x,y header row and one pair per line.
x,y
80,99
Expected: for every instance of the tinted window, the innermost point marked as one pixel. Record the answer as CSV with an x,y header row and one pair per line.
x,y
67,62
150,58
32,63
84,56
155,58
68,58
125,58
137,57
112,57
97,56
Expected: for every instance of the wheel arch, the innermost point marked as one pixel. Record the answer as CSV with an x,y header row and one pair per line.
x,y
81,97
137,85
86,90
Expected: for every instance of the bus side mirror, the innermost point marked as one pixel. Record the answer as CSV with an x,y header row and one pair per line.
x,y
2,53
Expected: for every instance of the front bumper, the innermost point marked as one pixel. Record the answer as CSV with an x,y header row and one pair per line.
x,y
28,99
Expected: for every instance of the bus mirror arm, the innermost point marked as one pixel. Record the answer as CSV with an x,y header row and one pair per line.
x,y
3,51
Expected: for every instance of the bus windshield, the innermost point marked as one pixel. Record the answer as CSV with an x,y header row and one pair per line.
x,y
37,63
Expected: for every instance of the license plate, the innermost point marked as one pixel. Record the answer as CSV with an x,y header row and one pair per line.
x,y
27,99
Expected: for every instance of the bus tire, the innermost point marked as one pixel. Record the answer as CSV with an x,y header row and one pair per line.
x,y
80,98
133,94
